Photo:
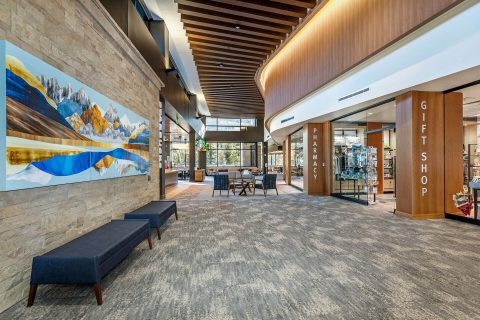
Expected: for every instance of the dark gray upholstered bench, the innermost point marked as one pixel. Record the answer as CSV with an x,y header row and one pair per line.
x,y
157,212
87,259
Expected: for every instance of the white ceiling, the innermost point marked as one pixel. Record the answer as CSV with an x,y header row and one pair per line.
x,y
179,48
471,101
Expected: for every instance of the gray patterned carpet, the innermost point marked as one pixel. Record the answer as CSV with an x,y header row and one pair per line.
x,y
285,257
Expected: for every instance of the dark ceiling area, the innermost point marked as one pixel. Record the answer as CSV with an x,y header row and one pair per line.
x,y
229,40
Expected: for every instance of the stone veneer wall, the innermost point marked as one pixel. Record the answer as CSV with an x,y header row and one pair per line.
x,y
79,38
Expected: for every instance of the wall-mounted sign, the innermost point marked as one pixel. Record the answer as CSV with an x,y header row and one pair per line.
x,y
423,151
315,153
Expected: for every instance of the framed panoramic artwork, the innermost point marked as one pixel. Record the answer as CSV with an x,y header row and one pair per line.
x,y
56,130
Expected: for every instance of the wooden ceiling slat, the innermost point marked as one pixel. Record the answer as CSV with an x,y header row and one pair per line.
x,y
230,90
221,75
240,106
237,101
227,67
234,20
236,96
225,9
227,91
236,48
205,61
234,42
231,35
228,26
229,40
227,52
262,5
230,85
309,4
203,56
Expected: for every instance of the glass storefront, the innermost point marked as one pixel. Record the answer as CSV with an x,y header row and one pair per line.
x,y
471,143
296,159
363,155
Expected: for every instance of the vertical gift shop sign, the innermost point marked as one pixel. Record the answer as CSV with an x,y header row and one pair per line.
x,y
423,151
420,155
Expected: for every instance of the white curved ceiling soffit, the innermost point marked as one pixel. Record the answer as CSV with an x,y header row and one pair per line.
x,y
179,48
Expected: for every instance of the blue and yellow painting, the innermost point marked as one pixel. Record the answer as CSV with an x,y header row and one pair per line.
x,y
59,130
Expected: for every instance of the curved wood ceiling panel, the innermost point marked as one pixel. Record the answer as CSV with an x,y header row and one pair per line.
x,y
229,40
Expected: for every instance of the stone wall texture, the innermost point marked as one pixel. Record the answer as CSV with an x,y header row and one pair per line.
x,y
79,38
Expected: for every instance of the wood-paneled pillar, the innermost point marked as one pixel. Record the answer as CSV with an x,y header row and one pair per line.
x,y
453,149
317,155
420,155
287,163
375,140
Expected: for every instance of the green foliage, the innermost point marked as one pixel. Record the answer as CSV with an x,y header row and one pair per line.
x,y
202,145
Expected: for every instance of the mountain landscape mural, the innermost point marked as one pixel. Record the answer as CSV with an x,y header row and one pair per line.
x,y
59,130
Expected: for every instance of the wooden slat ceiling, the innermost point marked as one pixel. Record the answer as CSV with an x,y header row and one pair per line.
x,y
229,40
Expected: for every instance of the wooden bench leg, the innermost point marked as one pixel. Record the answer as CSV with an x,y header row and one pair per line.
x,y
176,215
149,239
159,235
98,293
31,295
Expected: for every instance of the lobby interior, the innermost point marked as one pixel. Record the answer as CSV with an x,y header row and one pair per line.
x,y
239,159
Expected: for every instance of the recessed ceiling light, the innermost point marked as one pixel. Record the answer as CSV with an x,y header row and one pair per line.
x,y
370,113
237,27
220,65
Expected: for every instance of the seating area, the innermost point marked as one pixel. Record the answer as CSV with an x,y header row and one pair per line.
x,y
88,258
234,180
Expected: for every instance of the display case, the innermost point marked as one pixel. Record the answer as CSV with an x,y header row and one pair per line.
x,y
372,174
350,167
473,162
388,170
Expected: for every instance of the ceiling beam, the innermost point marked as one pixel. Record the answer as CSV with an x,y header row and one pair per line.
x,y
235,48
225,40
278,8
228,52
309,4
230,91
217,61
234,19
225,9
202,56
230,35
228,26
227,67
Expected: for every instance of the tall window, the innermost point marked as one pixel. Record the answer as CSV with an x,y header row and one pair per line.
x,y
234,154
226,124
180,155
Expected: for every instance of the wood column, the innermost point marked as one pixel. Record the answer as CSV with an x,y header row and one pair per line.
x,y
287,155
317,158
420,155
376,140
453,149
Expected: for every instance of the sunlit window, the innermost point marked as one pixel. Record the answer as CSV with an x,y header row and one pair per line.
x,y
230,124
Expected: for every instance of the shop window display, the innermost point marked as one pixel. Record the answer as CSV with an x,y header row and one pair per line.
x,y
364,155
